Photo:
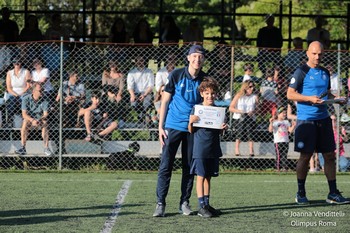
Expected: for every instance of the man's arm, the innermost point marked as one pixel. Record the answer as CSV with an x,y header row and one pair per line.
x,y
163,112
293,95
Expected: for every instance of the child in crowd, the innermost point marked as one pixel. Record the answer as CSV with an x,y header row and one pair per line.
x,y
344,163
206,150
95,117
281,128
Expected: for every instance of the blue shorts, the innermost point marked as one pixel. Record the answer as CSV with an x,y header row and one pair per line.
x,y
314,136
205,167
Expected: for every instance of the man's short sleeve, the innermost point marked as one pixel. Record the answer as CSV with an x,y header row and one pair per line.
x,y
297,79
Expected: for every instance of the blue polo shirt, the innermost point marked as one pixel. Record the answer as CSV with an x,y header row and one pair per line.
x,y
310,82
185,94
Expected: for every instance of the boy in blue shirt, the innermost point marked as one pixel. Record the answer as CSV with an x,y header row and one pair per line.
x,y
206,150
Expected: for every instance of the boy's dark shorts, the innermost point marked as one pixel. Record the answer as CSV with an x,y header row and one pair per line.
x,y
205,167
314,136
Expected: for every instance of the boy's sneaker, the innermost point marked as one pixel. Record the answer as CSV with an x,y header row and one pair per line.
x,y
214,211
48,152
160,210
301,199
185,209
336,198
204,212
21,151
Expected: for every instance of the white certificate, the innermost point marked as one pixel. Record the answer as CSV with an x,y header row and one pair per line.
x,y
209,116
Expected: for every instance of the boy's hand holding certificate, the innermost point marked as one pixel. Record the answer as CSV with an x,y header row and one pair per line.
x,y
209,116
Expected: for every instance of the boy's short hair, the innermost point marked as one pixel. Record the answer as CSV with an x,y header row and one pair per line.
x,y
248,66
95,94
209,83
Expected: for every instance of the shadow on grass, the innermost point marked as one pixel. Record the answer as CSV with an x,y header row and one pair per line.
x,y
30,216
285,206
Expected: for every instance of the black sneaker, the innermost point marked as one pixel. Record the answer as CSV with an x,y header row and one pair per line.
x,y
336,198
204,212
21,151
214,211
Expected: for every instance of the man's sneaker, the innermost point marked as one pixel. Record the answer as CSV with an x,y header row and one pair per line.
x,y
185,209
344,117
301,200
214,211
336,198
21,151
48,152
204,212
160,210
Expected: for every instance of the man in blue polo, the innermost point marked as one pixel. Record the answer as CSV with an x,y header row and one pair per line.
x,y
310,86
180,95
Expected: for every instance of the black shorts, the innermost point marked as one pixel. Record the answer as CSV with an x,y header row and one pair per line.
x,y
205,167
316,135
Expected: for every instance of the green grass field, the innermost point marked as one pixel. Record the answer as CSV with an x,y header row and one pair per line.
x,y
82,202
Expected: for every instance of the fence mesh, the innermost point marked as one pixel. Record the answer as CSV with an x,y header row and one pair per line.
x,y
118,131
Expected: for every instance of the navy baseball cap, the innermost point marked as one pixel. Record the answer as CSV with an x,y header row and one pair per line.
x,y
196,49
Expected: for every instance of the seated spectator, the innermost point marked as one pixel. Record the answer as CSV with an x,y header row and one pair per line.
x,y
194,32
115,110
114,77
140,83
8,27
31,31
73,93
17,84
41,75
295,57
95,117
248,69
118,33
269,91
34,113
163,73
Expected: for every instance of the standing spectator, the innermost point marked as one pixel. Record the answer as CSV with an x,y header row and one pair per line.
x,y
5,56
269,91
8,26
163,73
142,33
41,75
318,33
206,150
295,57
16,85
170,32
140,83
73,94
35,113
179,96
31,31
194,32
113,76
243,106
118,33
56,30
314,126
270,42
280,127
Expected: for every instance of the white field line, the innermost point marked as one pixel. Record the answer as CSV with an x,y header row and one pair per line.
x,y
107,227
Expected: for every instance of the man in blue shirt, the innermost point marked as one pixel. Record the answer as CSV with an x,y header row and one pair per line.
x,y
180,95
310,86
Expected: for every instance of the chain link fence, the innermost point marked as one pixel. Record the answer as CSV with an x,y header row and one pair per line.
x,y
99,124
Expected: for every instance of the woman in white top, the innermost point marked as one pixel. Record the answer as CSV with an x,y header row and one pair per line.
x,y
243,107
16,86
41,75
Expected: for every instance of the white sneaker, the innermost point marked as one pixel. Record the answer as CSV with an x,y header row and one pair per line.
x,y
345,117
48,152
